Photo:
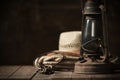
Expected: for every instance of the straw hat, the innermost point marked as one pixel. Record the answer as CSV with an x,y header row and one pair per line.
x,y
70,41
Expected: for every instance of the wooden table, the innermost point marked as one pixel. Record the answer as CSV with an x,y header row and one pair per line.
x,y
30,73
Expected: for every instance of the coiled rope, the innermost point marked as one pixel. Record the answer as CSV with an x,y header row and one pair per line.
x,y
46,64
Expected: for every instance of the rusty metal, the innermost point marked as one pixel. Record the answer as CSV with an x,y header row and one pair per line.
x,y
91,7
93,67
94,56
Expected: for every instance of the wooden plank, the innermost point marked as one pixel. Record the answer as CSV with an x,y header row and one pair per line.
x,y
62,75
24,73
58,75
40,76
95,76
6,71
63,68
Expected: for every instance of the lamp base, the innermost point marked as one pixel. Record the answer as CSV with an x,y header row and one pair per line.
x,y
93,67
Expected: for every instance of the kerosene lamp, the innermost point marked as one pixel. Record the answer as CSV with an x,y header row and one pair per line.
x,y
94,56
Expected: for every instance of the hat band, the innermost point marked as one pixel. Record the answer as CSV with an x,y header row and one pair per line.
x,y
77,45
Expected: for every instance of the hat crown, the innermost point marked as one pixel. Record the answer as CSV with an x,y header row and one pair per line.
x,y
70,41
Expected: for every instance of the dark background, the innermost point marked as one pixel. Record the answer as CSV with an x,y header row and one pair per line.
x,y
29,28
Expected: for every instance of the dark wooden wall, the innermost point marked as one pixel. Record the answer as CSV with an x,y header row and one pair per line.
x,y
30,27
113,22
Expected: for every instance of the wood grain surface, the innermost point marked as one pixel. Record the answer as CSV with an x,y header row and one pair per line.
x,y
7,71
30,73
24,73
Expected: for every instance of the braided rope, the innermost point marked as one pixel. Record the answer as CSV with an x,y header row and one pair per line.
x,y
46,63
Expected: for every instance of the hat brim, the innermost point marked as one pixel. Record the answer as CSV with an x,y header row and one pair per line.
x,y
69,53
